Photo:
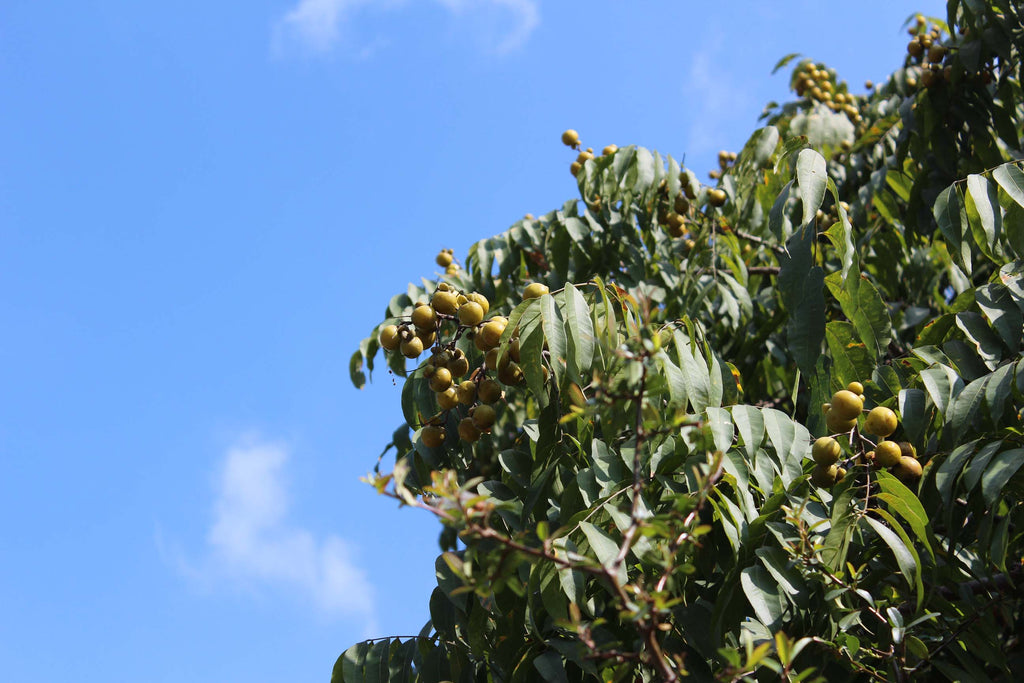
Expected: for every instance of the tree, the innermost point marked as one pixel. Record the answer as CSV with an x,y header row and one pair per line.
x,y
620,425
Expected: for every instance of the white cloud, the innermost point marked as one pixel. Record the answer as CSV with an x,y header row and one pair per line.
x,y
320,25
252,540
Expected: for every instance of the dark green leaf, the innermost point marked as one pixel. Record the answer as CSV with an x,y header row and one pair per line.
x,y
998,472
811,175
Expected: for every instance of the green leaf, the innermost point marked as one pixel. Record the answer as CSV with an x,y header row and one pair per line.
x,y
782,569
840,234
800,283
998,472
951,217
907,505
784,61
909,546
904,558
985,341
352,662
767,141
720,423
863,306
750,423
604,547
554,334
986,204
942,383
1011,179
762,592
811,174
551,667
579,329
1002,313
777,215
377,662
850,355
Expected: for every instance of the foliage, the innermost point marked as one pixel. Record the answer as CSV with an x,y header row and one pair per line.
x,y
642,507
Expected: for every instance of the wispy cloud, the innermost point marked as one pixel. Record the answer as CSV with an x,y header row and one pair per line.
x,y
320,26
252,539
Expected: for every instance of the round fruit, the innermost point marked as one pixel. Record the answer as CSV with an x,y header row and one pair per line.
x,y
448,399
445,302
535,290
610,149
571,138
513,349
466,392
484,416
443,259
427,337
510,374
389,338
907,450
826,451
824,476
412,347
471,313
716,197
840,474
837,425
855,387
491,359
489,391
490,333
682,204
468,431
584,157
459,364
452,269
575,167
908,470
432,436
881,421
887,453
480,299
424,317
846,405
441,380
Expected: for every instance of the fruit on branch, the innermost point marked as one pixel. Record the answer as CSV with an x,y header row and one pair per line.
x,y
838,425
826,451
571,138
717,197
445,302
881,421
483,416
887,453
468,431
432,436
424,317
389,338
489,391
444,258
846,405
412,347
824,476
535,290
471,313
908,470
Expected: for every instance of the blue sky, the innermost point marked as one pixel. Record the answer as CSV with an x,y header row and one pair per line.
x,y
205,206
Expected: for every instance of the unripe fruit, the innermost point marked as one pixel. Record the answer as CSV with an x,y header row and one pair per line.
x,y
412,347
682,204
826,451
915,49
881,421
907,450
855,387
571,138
424,317
427,337
887,453
466,392
490,333
432,436
448,399
584,157
513,349
441,380
491,359
535,290
481,300
471,313
837,425
510,374
459,364
824,476
489,391
484,416
444,258
468,431
389,338
575,167
444,302
846,405
908,470
936,53
452,269
716,197
610,149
